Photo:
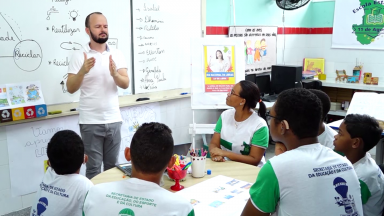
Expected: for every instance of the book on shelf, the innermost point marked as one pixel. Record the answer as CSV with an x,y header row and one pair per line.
x,y
313,66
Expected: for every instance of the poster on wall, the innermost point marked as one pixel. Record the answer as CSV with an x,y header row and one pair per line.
x,y
358,24
219,70
260,47
216,66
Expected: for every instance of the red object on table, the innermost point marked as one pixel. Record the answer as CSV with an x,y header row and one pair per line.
x,y
177,174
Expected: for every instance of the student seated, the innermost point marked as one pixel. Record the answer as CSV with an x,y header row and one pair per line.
x,y
150,153
241,134
357,135
63,189
326,134
309,178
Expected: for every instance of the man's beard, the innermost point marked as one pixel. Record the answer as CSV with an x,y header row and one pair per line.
x,y
99,40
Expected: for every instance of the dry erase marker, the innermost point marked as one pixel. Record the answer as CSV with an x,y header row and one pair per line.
x,y
184,93
54,112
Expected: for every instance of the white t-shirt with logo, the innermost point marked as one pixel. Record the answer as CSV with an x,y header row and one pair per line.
x,y
134,197
309,180
60,195
326,138
99,103
372,185
238,137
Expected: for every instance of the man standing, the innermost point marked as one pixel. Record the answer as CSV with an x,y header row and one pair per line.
x,y
97,72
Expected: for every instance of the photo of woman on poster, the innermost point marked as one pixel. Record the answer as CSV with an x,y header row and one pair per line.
x,y
218,64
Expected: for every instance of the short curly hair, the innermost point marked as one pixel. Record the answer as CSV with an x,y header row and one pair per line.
x,y
325,101
151,148
364,127
302,109
65,152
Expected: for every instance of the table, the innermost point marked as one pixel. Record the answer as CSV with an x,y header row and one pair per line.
x,y
231,169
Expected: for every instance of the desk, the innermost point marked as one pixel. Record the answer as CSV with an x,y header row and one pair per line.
x,y
231,169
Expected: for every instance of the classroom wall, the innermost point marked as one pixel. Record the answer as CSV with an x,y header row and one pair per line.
x,y
308,33
177,114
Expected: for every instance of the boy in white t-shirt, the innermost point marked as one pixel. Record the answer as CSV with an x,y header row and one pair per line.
x,y
357,135
326,134
309,178
63,189
151,152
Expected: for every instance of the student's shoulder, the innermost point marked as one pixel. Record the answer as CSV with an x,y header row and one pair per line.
x,y
82,181
228,112
368,170
308,154
178,202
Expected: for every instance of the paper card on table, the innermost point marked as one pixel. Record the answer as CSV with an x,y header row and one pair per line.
x,y
218,197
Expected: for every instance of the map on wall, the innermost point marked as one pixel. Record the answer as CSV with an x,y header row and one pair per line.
x,y
358,24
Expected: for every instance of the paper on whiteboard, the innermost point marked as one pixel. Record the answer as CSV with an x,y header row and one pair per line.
x,y
369,103
220,195
27,149
3,97
25,94
133,117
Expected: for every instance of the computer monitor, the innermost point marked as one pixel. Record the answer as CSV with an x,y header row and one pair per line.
x,y
285,77
263,81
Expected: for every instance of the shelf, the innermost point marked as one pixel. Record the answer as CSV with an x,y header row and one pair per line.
x,y
338,112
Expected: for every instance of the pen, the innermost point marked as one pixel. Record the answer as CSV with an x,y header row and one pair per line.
x,y
184,93
187,166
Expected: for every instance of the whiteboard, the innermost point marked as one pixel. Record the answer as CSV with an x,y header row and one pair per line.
x,y
161,33
37,40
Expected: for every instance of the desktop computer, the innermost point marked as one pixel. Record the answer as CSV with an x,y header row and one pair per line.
x,y
263,81
283,77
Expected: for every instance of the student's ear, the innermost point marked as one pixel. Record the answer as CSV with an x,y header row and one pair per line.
x,y
85,159
284,127
127,153
357,143
171,162
49,164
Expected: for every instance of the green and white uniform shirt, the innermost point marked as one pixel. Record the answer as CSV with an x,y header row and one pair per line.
x,y
372,185
238,137
134,197
326,138
309,180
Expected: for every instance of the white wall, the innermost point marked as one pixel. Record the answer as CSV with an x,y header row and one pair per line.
x,y
177,114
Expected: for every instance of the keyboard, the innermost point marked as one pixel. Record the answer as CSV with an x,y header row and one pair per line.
x,y
125,168
270,98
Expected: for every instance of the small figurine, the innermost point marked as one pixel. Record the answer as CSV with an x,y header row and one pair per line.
x,y
367,77
353,79
375,80
341,76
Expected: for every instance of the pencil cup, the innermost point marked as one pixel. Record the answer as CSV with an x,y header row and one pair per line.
x,y
198,166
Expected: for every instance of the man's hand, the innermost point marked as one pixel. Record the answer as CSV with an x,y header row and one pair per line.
x,y
112,67
87,65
